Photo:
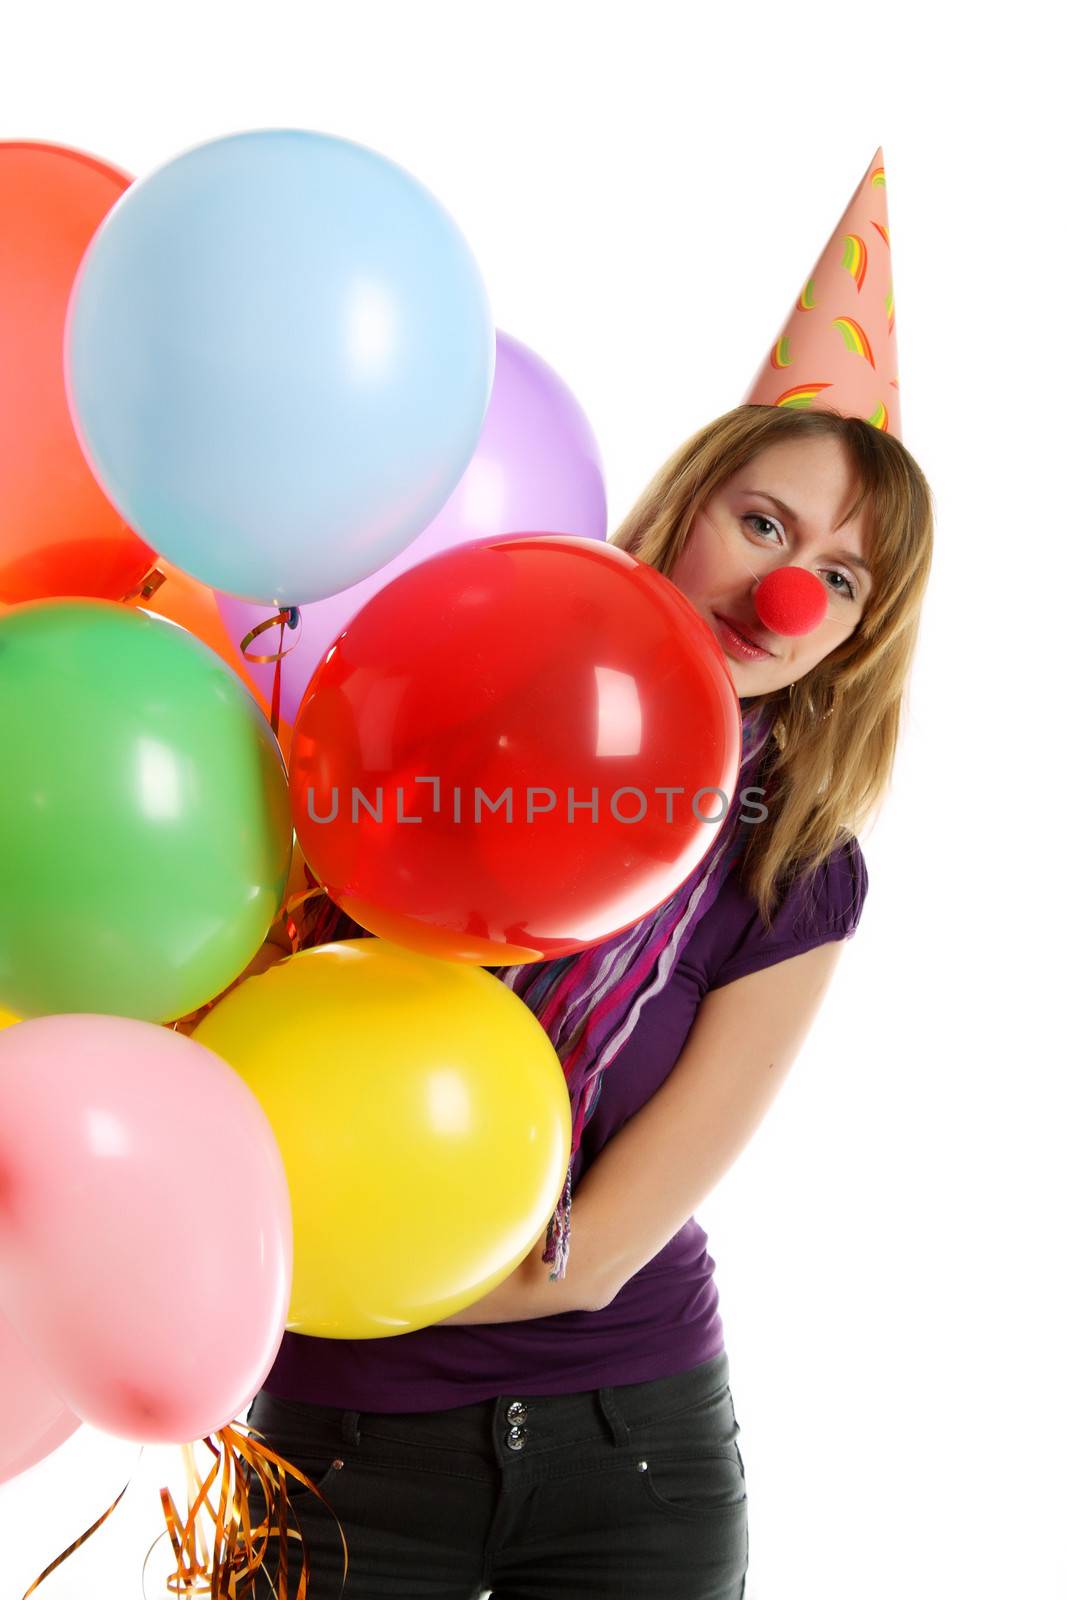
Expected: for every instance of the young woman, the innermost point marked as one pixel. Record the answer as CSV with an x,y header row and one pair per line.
x,y
573,1433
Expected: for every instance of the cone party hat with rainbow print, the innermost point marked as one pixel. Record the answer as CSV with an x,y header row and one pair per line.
x,y
838,349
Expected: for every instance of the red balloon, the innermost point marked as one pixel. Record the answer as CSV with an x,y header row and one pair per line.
x,y
59,534
525,663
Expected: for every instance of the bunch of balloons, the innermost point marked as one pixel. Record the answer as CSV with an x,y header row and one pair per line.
x,y
261,387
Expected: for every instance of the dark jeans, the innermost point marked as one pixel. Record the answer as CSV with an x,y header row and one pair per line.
x,y
625,1493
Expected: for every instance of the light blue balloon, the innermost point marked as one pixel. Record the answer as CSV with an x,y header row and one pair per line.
x,y
279,355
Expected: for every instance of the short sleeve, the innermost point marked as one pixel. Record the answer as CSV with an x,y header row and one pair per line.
x,y
820,906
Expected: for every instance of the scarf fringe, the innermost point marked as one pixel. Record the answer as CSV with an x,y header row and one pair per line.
x,y
570,995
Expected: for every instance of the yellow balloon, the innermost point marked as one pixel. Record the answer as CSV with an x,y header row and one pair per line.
x,y
424,1122
8,1017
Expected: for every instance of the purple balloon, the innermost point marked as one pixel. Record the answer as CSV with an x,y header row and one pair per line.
x,y
536,469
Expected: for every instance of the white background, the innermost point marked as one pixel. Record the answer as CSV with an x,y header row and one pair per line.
x,y
645,190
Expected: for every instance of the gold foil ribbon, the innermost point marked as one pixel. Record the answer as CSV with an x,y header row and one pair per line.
x,y
238,1547
146,588
286,617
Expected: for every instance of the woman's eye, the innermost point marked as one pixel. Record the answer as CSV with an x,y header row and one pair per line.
x,y
754,516
849,589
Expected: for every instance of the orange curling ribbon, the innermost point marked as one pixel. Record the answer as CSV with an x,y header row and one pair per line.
x,y
146,588
292,928
79,1541
236,1554
300,898
287,617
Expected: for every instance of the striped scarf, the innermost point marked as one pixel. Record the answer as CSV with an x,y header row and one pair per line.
x,y
589,1002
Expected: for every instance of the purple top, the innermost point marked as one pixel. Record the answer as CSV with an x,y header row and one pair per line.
x,y
665,1319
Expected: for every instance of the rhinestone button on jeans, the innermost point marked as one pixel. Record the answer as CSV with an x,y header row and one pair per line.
x,y
516,1438
517,1412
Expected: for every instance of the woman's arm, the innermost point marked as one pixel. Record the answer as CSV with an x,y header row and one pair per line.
x,y
649,1179
528,1291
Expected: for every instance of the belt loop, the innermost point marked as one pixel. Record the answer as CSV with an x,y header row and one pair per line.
x,y
619,1431
350,1427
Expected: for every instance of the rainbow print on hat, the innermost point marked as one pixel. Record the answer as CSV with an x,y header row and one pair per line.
x,y
838,347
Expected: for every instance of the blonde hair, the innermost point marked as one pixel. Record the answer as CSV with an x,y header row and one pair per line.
x,y
836,729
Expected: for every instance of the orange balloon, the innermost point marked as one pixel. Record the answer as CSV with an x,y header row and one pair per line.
x,y
59,533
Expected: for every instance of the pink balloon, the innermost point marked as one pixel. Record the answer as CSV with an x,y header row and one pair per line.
x,y
536,469
33,1419
146,1235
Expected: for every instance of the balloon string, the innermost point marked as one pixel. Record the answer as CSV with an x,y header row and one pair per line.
x,y
276,696
286,617
52,1565
146,588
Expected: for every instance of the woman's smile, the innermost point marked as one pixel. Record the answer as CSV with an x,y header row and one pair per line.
x,y
738,643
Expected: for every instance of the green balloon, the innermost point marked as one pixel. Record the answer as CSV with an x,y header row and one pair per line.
x,y
145,833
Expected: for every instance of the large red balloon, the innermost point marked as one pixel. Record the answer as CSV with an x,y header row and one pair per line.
x,y
530,662
59,534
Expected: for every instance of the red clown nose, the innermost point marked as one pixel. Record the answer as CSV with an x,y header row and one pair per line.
x,y
790,600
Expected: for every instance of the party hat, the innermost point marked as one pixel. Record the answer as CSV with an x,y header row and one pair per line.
x,y
838,349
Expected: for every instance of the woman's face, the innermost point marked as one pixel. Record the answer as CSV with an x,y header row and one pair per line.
x,y
783,509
